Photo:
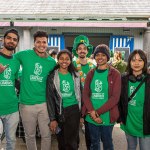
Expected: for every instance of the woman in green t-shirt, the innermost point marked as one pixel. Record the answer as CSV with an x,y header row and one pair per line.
x,y
64,101
100,100
135,112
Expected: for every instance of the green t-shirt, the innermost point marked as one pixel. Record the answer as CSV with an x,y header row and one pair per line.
x,y
134,123
83,70
8,97
99,95
35,70
67,90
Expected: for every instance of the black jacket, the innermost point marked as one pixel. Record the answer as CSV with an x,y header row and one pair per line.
x,y
123,103
53,95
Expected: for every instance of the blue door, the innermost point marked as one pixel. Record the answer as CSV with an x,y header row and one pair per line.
x,y
56,41
122,42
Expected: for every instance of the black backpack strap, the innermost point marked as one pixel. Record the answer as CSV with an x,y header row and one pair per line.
x,y
134,92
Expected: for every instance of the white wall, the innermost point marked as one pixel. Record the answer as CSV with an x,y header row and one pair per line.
x,y
26,38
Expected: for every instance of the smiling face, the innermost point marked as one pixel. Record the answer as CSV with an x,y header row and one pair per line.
x,y
137,64
101,60
40,45
82,51
64,61
10,41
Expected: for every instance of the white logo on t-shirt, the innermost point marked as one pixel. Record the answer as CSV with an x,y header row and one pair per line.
x,y
38,69
66,86
7,76
98,89
7,73
37,73
98,85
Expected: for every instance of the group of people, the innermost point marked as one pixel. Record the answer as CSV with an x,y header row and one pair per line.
x,y
36,65
59,96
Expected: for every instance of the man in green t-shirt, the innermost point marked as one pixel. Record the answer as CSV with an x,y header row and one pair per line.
x,y
36,65
9,67
82,50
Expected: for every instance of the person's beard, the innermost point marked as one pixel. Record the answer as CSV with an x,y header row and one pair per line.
x,y
9,48
82,56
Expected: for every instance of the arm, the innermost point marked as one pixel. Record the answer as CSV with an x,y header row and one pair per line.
x,y
87,105
18,76
114,97
18,56
17,86
123,102
50,98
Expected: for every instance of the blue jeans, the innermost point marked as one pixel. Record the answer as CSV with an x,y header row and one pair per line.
x,y
101,133
10,123
132,141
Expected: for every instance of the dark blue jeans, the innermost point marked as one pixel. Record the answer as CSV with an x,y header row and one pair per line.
x,y
101,133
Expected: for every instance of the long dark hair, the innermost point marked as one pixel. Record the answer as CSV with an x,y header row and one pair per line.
x,y
143,57
71,67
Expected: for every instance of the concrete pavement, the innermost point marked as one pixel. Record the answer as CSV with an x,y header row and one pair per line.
x,y
118,140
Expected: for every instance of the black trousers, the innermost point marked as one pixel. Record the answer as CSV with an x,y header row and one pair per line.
x,y
68,136
87,135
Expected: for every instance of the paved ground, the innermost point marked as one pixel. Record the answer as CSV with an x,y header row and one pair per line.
x,y
118,140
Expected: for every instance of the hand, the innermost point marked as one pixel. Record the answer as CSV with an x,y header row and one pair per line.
x,y
98,120
53,126
81,122
2,68
93,114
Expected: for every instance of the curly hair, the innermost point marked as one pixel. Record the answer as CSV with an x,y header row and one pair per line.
x,y
40,34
